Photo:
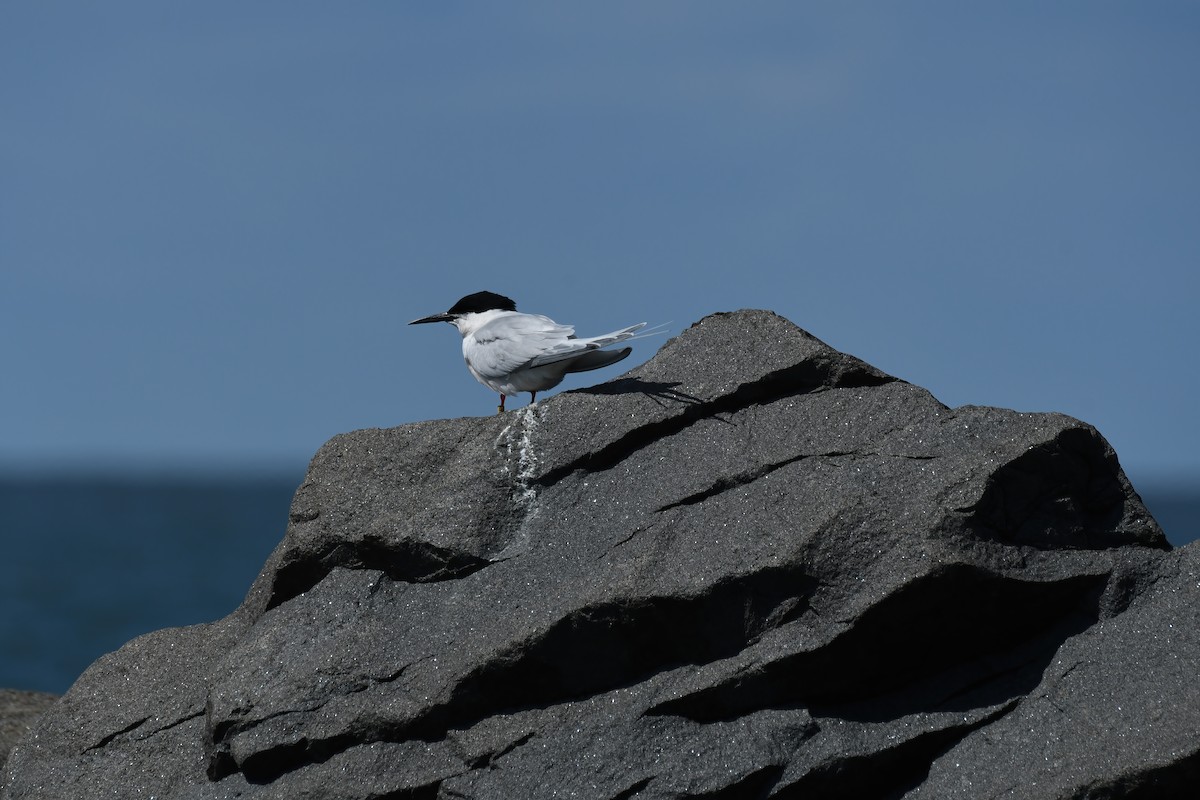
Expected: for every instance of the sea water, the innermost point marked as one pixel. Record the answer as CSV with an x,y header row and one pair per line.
x,y
90,562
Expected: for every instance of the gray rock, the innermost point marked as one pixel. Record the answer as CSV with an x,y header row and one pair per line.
x,y
1116,714
751,567
18,710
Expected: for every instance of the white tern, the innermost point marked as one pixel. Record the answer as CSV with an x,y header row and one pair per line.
x,y
510,352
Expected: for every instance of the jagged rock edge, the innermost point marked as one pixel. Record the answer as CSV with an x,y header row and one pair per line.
x,y
474,697
406,561
221,765
755,783
410,560
521,676
887,772
994,518
812,678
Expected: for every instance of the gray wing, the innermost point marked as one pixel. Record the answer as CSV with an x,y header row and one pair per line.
x,y
512,342
595,359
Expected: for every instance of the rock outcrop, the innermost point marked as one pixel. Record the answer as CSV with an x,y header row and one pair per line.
x,y
751,567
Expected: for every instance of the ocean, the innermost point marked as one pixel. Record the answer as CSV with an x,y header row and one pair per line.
x,y
91,562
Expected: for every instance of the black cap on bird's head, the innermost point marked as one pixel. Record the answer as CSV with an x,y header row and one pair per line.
x,y
472,304
482,301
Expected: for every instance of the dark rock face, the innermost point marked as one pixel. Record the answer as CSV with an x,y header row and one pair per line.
x,y
751,567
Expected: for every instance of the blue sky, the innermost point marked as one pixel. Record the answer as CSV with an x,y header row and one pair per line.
x,y
216,218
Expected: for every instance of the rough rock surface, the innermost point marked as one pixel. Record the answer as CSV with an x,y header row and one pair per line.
x,y
18,710
751,567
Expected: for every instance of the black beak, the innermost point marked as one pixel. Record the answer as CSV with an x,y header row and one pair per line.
x,y
433,318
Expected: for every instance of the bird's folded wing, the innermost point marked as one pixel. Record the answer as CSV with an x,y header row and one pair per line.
x,y
509,343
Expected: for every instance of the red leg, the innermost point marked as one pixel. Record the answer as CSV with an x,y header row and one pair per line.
x,y
501,409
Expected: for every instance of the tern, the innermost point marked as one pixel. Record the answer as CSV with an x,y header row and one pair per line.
x,y
510,352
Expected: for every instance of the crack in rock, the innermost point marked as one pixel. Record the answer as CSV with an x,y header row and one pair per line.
x,y
489,759
729,482
116,734
817,374
633,790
